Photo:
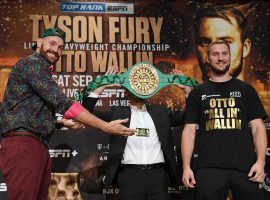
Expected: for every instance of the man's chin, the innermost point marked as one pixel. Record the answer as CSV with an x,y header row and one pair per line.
x,y
52,60
220,70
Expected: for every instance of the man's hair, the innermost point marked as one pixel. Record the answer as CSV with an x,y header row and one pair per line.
x,y
217,42
223,12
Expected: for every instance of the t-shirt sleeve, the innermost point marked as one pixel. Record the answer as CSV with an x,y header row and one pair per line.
x,y
255,107
192,113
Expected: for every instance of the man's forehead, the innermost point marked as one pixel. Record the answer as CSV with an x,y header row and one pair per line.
x,y
218,26
53,38
229,19
219,48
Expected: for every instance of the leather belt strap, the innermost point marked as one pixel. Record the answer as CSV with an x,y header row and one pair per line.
x,y
26,134
143,167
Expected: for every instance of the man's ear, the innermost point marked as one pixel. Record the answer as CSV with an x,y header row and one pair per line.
x,y
246,47
39,42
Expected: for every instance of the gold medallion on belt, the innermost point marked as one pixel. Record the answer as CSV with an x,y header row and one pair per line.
x,y
143,79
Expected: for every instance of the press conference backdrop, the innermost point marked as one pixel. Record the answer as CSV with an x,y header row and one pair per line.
x,y
101,34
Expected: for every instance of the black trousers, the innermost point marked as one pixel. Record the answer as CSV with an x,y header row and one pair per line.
x,y
137,184
214,184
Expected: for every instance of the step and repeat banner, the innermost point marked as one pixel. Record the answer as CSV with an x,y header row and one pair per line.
x,y
100,34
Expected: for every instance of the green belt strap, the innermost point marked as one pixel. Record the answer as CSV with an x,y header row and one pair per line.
x,y
142,79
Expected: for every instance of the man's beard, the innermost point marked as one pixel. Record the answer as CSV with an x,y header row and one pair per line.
x,y
219,71
45,55
206,69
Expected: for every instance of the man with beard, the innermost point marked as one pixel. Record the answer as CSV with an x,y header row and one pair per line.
x,y
27,119
229,114
226,23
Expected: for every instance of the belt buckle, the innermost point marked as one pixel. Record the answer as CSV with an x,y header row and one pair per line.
x,y
41,139
145,167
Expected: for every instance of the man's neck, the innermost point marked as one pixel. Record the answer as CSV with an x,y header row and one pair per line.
x,y
220,78
241,76
139,105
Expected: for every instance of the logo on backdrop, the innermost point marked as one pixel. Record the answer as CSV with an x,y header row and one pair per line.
x,y
62,153
266,183
104,150
119,93
97,7
3,187
110,191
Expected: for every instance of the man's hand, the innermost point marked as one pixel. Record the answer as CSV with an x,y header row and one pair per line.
x,y
112,71
186,89
116,128
256,172
188,178
70,123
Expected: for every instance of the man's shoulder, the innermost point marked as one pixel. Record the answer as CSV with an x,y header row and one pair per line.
x,y
32,60
241,81
243,84
157,108
204,84
199,88
153,105
35,59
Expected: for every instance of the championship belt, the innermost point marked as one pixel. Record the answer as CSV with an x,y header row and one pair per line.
x,y
142,79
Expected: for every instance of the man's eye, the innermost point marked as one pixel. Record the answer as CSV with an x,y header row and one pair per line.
x,y
228,41
204,42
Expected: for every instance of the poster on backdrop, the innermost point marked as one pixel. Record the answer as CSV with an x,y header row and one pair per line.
x,y
100,34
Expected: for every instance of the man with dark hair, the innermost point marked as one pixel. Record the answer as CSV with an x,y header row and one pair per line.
x,y
27,119
226,23
143,165
229,116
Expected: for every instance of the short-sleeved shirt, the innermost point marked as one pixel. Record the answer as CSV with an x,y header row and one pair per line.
x,y
32,98
223,111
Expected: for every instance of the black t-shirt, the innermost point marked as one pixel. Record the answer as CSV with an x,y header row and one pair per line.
x,y
223,111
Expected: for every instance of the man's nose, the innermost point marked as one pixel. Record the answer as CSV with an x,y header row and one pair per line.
x,y
55,48
220,57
